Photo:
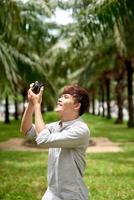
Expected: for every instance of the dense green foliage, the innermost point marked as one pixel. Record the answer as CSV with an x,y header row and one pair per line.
x,y
96,50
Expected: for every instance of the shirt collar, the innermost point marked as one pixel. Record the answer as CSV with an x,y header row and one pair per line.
x,y
66,123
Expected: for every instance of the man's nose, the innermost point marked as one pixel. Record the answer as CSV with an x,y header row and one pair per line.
x,y
59,100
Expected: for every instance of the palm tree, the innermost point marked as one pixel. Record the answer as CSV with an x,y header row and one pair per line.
x,y
98,18
119,76
22,40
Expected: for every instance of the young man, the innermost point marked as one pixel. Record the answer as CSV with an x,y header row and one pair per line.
x,y
66,139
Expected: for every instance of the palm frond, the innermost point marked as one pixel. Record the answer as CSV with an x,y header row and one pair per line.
x,y
103,13
8,64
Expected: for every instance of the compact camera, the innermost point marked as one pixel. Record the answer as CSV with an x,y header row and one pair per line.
x,y
36,87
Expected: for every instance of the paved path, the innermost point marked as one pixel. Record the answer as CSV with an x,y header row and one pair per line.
x,y
102,144
98,145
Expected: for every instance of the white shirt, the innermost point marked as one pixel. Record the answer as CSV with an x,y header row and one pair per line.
x,y
67,143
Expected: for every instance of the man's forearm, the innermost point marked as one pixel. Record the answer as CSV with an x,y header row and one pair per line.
x,y
39,123
26,123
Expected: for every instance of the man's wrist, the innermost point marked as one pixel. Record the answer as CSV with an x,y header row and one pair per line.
x,y
30,105
37,106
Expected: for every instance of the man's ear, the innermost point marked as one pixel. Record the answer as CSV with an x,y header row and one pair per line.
x,y
77,106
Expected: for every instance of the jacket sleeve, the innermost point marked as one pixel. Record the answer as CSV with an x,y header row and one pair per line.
x,y
71,138
31,134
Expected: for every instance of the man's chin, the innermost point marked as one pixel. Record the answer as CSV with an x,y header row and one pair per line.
x,y
57,110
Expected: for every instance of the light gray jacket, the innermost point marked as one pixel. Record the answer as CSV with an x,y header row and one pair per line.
x,y
67,143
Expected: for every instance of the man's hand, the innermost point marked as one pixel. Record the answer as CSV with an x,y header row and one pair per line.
x,y
33,98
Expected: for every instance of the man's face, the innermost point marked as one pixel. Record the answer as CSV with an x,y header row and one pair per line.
x,y
66,105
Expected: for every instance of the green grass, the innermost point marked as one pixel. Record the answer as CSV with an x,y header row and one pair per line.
x,y
109,176
102,127
22,175
8,131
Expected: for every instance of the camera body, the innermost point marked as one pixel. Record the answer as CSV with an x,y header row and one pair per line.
x,y
36,87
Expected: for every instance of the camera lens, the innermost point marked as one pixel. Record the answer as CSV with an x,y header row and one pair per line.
x,y
36,87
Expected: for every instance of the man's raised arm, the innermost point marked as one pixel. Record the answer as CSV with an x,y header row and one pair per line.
x,y
26,122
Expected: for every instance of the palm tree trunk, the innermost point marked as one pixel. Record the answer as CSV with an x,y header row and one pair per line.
x,y
108,98
7,120
24,93
119,95
89,102
99,100
103,100
93,103
130,93
16,108
42,106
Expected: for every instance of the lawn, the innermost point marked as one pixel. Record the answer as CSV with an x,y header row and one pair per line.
x,y
109,176
9,131
102,127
